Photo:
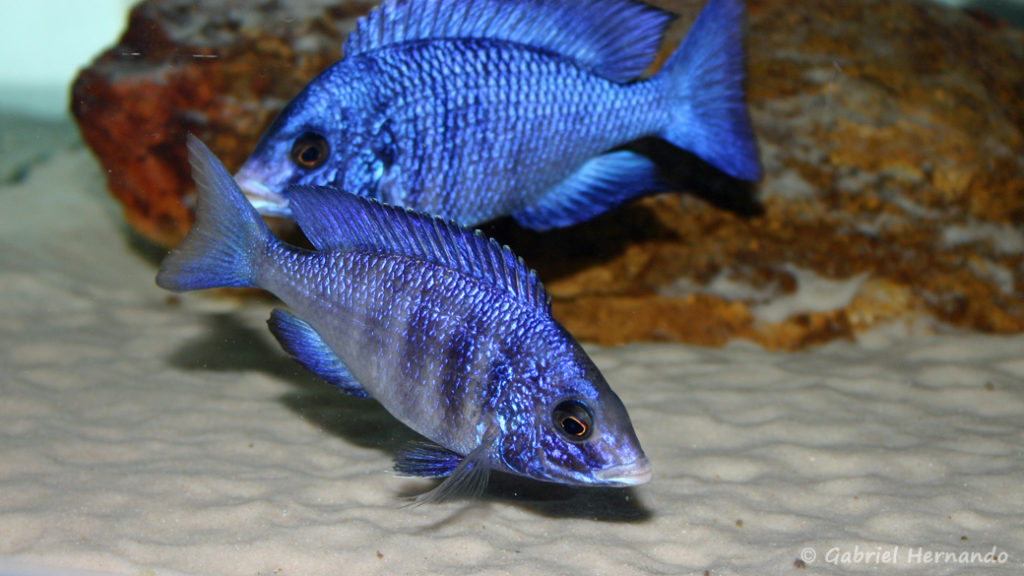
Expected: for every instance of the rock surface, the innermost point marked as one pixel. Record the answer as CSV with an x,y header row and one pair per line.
x,y
891,134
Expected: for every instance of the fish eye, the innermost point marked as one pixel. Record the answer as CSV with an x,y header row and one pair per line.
x,y
573,419
310,150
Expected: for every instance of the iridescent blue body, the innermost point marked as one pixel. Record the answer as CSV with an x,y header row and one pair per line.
x,y
593,115
477,109
449,331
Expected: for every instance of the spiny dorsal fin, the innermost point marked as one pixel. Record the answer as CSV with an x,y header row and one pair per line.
x,y
616,39
333,219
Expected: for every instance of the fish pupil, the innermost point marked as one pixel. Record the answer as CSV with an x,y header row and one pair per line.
x,y
310,150
573,426
573,419
309,155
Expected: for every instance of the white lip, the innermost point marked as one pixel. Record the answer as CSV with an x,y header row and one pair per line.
x,y
632,474
263,199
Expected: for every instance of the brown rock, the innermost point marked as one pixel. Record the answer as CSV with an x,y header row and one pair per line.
x,y
210,68
891,134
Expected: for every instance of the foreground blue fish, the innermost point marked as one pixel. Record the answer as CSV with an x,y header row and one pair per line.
x,y
477,109
449,331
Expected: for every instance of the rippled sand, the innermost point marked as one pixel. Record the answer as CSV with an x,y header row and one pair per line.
x,y
142,433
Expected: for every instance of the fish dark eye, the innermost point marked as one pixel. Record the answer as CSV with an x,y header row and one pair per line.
x,y
573,419
310,150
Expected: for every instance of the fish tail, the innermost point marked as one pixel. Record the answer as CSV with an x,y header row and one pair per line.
x,y
228,236
707,106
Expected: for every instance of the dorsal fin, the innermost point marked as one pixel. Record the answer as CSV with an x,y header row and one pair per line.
x,y
333,219
616,39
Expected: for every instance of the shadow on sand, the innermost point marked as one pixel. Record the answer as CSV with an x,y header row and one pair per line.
x,y
229,344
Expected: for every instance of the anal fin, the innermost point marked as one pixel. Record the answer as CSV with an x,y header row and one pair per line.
x,y
599,185
304,344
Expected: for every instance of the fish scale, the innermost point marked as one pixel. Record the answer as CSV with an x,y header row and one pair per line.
x,y
378,329
448,330
478,109
553,100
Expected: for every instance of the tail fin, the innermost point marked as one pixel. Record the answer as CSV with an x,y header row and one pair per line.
x,y
221,248
704,78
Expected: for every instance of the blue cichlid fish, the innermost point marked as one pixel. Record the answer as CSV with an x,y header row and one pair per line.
x,y
477,109
448,330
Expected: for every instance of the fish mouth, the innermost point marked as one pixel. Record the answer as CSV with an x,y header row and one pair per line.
x,y
630,474
263,199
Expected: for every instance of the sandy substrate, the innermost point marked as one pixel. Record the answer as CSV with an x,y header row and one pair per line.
x,y
144,434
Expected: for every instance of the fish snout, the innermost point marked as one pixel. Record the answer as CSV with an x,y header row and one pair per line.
x,y
630,474
263,199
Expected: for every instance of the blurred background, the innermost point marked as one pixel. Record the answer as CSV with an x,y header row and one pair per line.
x,y
43,44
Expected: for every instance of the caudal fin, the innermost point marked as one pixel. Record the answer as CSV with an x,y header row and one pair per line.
x,y
707,106
228,234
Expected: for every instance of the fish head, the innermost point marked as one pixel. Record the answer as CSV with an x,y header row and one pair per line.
x,y
303,146
579,433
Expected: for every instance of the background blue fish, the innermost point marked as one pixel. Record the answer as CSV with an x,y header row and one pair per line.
x,y
448,330
477,109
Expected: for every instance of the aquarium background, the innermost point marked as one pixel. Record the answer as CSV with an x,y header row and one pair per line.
x,y
143,433
44,43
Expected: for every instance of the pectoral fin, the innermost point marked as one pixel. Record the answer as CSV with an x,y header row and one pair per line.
x,y
426,459
467,479
601,184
